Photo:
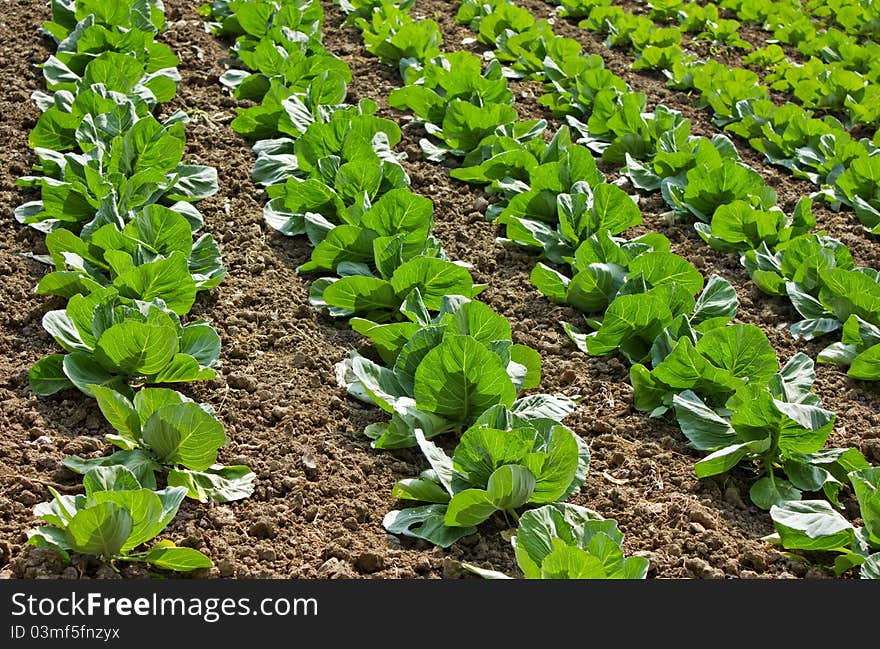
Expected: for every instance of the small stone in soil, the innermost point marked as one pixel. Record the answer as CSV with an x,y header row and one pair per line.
x,y
310,466
263,529
369,562
238,381
226,567
702,516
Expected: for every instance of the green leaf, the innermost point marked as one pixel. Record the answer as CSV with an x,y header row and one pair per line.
x,y
717,302
65,330
479,321
595,287
343,243
425,522
138,461
47,376
389,339
417,489
162,229
767,492
194,183
631,323
441,463
866,483
659,268
567,562
355,179
413,353
177,559
119,412
866,366
222,484
100,530
460,378
469,507
742,349
871,567
728,457
797,427
369,296
168,279
150,511
811,525
149,400
181,369
614,210
202,342
552,284
111,477
482,450
184,434
137,348
543,529
705,429
511,486
529,359
399,211
558,470
377,384
83,370
435,278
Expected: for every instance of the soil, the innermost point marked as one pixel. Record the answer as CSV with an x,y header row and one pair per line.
x,y
321,491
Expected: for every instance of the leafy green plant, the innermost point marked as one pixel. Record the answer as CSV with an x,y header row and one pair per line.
x,y
621,127
115,342
91,37
250,21
121,72
716,179
813,525
529,462
711,363
859,186
574,83
657,295
456,101
858,349
126,168
391,35
393,230
112,520
152,256
442,372
601,270
163,428
360,292
780,424
819,276
562,541
739,226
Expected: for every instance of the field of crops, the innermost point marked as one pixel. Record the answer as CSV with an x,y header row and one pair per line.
x,y
363,289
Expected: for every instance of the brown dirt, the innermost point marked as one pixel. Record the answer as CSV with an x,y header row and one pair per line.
x,y
277,396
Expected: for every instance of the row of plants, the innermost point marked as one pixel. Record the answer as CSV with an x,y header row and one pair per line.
x,y
123,238
701,179
444,363
839,76
721,380
840,30
820,150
